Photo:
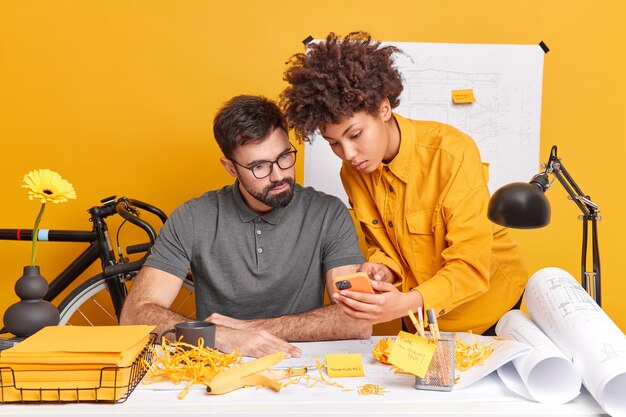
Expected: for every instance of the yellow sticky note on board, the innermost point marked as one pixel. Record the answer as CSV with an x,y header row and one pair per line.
x,y
412,353
339,365
463,96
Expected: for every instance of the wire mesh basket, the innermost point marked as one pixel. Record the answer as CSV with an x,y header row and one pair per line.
x,y
440,373
111,384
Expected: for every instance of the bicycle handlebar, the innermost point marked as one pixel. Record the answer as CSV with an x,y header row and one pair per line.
x,y
152,209
139,248
124,207
112,270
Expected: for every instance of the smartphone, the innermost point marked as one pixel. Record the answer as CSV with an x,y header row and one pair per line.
x,y
358,281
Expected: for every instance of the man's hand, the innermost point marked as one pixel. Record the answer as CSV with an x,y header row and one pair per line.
x,y
378,272
388,304
255,343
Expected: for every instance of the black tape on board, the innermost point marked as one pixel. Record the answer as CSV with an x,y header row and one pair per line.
x,y
543,46
307,40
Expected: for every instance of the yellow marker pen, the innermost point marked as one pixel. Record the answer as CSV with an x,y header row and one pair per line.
x,y
420,316
420,331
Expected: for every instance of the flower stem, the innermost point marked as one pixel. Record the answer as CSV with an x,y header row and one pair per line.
x,y
35,233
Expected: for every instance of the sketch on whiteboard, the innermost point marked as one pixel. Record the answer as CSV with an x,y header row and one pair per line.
x,y
504,121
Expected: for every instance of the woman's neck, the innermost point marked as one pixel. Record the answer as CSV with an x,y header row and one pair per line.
x,y
393,146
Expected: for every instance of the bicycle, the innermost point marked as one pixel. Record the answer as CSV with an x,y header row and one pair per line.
x,y
98,300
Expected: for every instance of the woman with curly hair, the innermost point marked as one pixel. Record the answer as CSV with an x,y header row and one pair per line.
x,y
418,189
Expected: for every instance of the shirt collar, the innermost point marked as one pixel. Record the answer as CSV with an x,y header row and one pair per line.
x,y
247,215
400,165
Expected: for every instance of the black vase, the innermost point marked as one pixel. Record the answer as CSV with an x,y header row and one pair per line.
x,y
32,313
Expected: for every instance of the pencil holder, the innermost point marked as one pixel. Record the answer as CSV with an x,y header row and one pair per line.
x,y
440,374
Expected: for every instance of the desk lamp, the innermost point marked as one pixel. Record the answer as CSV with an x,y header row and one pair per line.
x,y
524,206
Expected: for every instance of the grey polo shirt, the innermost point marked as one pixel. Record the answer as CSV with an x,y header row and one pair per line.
x,y
248,265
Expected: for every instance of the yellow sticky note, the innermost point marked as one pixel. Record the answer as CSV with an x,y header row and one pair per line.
x,y
412,353
339,365
463,96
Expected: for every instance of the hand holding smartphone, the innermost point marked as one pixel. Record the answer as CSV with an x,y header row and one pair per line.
x,y
358,281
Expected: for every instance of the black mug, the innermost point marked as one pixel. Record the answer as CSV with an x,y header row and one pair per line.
x,y
191,331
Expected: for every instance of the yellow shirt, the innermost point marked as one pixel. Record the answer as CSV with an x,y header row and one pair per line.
x,y
424,215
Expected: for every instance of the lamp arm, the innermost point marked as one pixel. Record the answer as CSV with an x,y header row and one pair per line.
x,y
589,209
590,281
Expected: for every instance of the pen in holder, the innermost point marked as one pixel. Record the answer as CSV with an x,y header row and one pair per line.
x,y
440,373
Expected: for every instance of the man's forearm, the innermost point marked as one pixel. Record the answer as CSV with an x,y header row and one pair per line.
x,y
324,323
152,314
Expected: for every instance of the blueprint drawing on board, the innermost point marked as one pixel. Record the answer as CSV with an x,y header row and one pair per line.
x,y
504,120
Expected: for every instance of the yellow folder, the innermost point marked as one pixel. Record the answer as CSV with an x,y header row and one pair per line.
x,y
70,363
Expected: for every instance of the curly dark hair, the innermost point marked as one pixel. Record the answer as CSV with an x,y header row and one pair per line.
x,y
338,78
245,119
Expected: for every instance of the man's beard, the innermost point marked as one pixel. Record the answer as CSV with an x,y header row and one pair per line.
x,y
276,200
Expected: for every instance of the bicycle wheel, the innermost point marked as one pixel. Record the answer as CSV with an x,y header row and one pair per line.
x,y
90,304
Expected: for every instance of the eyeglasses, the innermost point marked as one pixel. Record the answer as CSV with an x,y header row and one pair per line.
x,y
264,169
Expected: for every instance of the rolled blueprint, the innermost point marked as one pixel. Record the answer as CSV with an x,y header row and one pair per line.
x,y
581,329
545,374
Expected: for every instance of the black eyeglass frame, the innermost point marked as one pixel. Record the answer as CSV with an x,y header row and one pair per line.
x,y
293,151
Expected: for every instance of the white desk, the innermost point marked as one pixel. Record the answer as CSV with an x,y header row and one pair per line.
x,y
484,398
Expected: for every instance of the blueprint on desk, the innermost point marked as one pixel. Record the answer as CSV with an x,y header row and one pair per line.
x,y
504,120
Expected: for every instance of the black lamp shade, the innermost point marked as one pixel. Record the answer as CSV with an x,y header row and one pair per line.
x,y
519,205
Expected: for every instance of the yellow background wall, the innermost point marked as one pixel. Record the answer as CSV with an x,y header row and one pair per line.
x,y
118,97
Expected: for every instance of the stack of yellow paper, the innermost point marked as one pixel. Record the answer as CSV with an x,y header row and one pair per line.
x,y
72,363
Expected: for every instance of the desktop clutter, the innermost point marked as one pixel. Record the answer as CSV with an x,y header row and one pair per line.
x,y
564,342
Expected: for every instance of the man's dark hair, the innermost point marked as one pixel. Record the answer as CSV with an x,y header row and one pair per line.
x,y
337,78
245,119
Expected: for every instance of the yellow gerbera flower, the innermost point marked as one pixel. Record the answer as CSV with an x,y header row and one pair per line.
x,y
48,186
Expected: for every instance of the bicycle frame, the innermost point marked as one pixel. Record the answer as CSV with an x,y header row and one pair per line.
x,y
100,247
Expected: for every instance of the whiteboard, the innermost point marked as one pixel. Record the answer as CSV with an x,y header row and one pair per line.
x,y
504,121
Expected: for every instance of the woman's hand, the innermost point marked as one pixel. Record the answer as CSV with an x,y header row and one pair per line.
x,y
388,304
378,272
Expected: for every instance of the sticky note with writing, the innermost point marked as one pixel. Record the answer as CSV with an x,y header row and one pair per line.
x,y
339,365
463,96
412,353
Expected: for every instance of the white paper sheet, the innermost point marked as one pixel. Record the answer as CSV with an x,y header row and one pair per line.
x,y
545,374
313,352
506,351
579,327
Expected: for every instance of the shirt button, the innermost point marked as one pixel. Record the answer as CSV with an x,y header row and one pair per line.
x,y
260,250
386,168
258,232
374,221
391,188
390,224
